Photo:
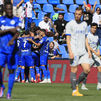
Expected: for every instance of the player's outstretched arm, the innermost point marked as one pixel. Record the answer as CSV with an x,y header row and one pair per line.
x,y
37,44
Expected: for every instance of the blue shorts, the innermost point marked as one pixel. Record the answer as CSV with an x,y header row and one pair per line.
x,y
9,59
36,59
43,59
27,60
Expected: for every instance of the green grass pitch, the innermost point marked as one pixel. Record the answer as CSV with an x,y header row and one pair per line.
x,y
50,92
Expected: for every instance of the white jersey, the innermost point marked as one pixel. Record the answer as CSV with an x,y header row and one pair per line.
x,y
78,36
28,9
93,41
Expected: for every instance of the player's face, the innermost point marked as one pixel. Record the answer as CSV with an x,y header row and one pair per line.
x,y
46,19
9,10
51,45
98,11
78,15
41,34
60,17
93,29
31,1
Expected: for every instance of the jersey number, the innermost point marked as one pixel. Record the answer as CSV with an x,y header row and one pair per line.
x,y
25,43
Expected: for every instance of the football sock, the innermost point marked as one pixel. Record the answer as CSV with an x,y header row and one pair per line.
x,y
37,70
11,82
22,74
48,73
18,72
44,71
84,81
73,80
81,77
31,72
1,81
99,77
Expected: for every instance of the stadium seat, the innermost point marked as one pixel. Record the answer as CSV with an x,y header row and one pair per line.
x,y
48,8
41,15
72,8
63,52
92,2
37,21
28,0
33,15
68,2
54,2
98,6
63,6
37,7
68,16
80,2
41,1
50,39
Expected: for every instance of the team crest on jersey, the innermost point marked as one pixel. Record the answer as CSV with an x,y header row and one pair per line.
x,y
12,22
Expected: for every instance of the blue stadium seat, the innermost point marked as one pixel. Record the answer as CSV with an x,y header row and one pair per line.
x,y
33,15
50,39
68,16
28,0
48,8
37,21
68,2
54,2
41,15
80,2
41,1
37,7
92,2
72,8
63,52
98,6
63,6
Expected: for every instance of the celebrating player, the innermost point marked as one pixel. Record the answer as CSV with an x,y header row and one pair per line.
x,y
76,31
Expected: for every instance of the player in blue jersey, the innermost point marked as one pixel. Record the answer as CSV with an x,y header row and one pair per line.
x,y
26,55
8,27
44,50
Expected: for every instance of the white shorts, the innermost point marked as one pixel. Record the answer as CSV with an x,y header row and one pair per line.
x,y
17,11
80,60
95,61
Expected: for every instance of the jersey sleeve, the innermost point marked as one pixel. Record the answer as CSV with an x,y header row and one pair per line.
x,y
68,29
41,41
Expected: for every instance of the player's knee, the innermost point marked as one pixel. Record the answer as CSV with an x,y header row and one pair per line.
x,y
11,71
99,69
74,69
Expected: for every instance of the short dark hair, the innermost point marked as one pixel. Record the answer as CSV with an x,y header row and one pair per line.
x,y
7,3
94,24
79,8
61,14
43,30
98,8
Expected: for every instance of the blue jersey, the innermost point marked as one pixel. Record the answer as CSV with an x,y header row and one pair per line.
x,y
25,46
7,23
44,45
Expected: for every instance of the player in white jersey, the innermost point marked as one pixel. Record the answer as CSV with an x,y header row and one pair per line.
x,y
93,42
76,31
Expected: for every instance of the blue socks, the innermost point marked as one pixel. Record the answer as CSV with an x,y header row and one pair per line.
x,y
18,72
48,73
11,82
37,70
22,74
44,71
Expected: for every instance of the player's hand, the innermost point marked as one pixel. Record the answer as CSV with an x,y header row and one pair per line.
x,y
30,40
10,43
71,55
56,34
18,6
